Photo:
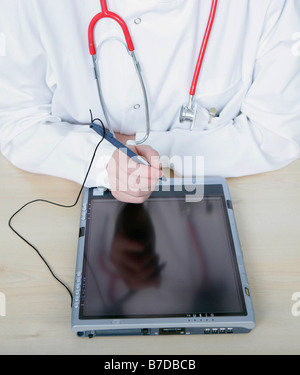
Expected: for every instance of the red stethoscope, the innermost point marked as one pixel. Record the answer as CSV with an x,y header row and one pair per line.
x,y
188,112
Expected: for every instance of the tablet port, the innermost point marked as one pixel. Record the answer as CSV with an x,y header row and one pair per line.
x,y
172,331
145,331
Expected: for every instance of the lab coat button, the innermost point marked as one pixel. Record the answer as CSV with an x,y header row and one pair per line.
x,y
137,21
137,106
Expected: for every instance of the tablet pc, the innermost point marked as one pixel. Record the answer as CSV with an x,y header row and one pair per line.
x,y
169,266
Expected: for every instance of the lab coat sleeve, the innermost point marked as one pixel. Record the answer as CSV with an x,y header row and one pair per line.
x,y
265,135
30,136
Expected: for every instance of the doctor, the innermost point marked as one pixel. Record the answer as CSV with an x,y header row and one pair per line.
x,y
250,75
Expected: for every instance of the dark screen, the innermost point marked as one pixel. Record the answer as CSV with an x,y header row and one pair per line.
x,y
166,257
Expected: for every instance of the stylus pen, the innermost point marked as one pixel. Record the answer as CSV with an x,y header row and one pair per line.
x,y
114,141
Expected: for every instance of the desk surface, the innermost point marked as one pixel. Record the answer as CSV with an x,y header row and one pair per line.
x,y
38,313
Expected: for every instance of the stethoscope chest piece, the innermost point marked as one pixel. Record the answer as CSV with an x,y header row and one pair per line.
x,y
189,113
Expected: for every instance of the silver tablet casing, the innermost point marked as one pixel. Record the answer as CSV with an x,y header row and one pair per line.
x,y
163,326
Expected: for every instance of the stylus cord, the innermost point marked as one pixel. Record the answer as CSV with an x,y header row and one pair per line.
x,y
59,205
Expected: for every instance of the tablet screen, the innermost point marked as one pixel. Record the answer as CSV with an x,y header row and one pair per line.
x,y
163,258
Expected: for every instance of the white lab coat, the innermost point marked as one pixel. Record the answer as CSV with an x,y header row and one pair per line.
x,y
251,74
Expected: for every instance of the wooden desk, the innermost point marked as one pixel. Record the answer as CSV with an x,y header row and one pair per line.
x,y
38,313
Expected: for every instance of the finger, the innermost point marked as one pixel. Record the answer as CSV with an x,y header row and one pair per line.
x,y
140,181
139,185
120,164
151,155
132,189
129,181
123,196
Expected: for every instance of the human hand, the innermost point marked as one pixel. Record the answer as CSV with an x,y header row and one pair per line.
x,y
130,181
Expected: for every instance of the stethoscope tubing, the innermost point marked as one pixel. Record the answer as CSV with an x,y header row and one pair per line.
x,y
203,47
188,112
108,14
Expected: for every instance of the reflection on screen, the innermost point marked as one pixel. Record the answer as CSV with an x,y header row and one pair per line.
x,y
160,258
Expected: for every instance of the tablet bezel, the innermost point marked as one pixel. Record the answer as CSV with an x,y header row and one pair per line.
x,y
235,324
